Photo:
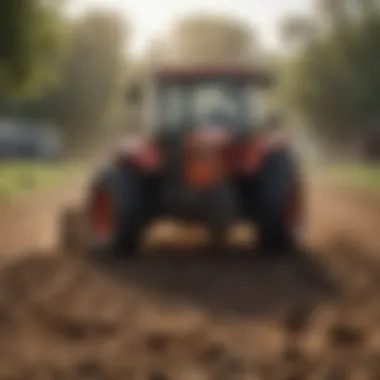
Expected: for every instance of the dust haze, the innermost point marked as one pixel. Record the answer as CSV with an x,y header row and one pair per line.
x,y
191,315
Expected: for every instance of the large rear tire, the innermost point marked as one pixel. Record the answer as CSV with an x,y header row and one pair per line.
x,y
279,204
124,187
80,235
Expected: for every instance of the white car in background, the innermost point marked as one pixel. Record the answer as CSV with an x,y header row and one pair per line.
x,y
29,140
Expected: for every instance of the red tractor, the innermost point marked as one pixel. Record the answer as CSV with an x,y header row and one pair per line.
x,y
211,156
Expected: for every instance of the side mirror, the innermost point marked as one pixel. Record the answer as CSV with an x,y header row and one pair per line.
x,y
133,94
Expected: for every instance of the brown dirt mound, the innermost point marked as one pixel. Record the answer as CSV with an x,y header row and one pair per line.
x,y
313,317
190,319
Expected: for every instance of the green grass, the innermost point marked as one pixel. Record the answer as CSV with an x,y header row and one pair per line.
x,y
363,176
19,178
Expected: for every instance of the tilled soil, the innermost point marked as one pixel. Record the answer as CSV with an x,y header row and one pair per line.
x,y
316,316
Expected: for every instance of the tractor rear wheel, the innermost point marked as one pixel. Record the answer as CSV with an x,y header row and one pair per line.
x,y
117,213
279,201
112,222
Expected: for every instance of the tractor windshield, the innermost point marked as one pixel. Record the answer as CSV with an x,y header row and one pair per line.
x,y
228,103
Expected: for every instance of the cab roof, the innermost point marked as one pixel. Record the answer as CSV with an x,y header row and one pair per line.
x,y
190,73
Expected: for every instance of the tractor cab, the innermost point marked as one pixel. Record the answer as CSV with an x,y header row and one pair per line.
x,y
198,118
179,101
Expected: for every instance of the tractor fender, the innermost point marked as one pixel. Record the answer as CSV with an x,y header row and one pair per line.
x,y
123,182
258,150
140,153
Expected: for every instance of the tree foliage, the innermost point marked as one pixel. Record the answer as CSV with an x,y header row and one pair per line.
x,y
92,73
334,78
31,41
90,79
298,30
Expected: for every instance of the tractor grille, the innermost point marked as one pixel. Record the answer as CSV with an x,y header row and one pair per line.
x,y
192,174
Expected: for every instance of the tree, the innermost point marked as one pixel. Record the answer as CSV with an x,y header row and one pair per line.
x,y
298,31
334,80
92,75
30,44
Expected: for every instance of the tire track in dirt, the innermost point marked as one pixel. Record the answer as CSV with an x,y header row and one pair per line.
x,y
316,317
343,218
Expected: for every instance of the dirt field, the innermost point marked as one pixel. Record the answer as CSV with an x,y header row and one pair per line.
x,y
317,317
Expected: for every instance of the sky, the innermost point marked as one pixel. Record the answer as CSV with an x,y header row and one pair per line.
x,y
151,18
